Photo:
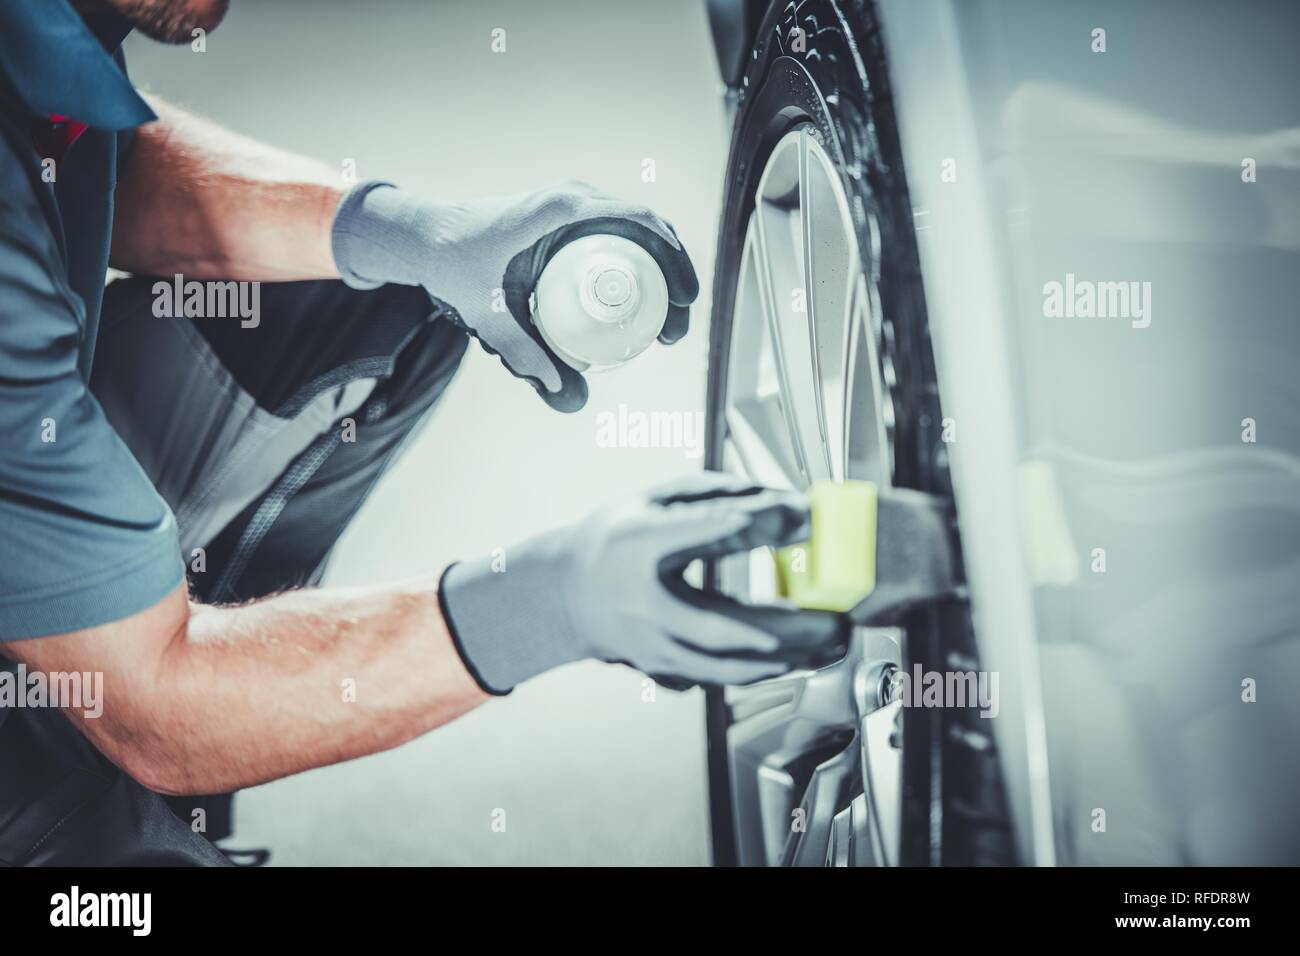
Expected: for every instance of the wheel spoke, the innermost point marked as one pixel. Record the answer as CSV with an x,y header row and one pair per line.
x,y
777,277
830,255
882,775
851,842
869,414
774,724
832,788
781,246
758,423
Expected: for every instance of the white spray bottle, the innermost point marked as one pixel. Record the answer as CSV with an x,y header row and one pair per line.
x,y
600,301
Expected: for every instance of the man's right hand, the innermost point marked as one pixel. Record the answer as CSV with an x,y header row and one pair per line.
x,y
612,588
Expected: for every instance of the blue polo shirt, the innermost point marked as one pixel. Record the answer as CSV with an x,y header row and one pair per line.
x,y
84,537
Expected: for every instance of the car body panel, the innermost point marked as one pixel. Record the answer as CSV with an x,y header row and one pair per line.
x,y
1132,553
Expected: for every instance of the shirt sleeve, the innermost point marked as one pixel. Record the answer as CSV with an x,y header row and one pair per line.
x,y
84,537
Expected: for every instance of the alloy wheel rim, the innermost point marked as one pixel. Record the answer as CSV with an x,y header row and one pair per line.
x,y
814,757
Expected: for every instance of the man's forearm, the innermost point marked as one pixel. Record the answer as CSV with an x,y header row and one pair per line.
x,y
235,696
202,201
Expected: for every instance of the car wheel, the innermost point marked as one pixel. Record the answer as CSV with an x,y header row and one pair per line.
x,y
821,369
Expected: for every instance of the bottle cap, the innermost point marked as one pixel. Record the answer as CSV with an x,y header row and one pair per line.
x,y
600,301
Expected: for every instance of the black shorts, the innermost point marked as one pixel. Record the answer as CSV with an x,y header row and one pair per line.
x,y
265,440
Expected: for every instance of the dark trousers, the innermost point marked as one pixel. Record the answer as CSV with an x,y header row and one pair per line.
x,y
265,436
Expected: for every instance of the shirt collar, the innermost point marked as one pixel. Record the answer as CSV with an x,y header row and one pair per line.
x,y
58,63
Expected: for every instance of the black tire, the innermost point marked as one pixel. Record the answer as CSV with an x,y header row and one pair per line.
x,y
954,808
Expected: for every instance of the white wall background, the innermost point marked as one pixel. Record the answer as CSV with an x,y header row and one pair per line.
x,y
586,771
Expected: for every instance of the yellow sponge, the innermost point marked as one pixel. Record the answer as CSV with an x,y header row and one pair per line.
x,y
836,567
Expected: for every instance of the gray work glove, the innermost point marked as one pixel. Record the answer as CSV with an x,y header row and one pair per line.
x,y
482,259
611,588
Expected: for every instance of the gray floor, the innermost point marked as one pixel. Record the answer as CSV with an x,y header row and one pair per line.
x,y
586,770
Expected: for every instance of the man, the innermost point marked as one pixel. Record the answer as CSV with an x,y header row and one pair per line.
x,y
137,447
